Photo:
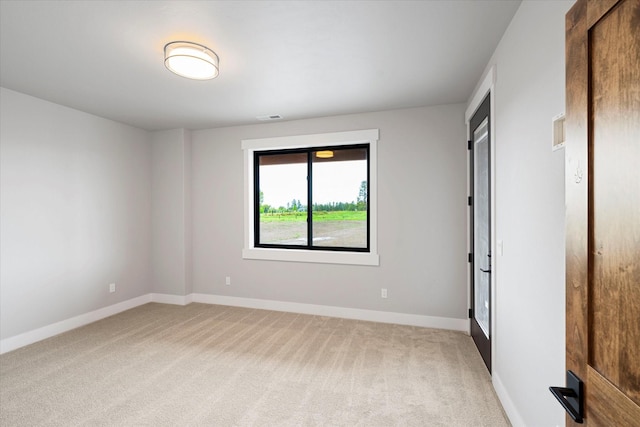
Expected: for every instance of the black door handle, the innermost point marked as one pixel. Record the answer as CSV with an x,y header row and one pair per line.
x,y
486,271
571,397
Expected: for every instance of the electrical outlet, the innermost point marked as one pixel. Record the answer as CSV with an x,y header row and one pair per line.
x,y
112,287
227,280
383,293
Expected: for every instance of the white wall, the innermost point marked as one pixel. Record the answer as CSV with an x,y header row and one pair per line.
x,y
421,218
171,212
87,201
74,213
529,353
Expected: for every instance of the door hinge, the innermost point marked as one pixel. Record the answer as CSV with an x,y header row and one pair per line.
x,y
470,257
469,201
469,144
470,313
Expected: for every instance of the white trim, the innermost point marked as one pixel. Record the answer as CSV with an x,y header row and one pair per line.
x,y
171,299
509,407
487,85
340,312
249,146
17,341
301,141
328,257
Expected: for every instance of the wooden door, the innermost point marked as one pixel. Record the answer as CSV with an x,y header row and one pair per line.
x,y
603,208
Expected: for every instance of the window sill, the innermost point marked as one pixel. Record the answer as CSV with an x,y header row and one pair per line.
x,y
322,257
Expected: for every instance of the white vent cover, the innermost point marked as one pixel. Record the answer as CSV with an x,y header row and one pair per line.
x,y
558,136
269,117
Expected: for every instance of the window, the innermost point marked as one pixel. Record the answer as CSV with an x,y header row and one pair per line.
x,y
311,198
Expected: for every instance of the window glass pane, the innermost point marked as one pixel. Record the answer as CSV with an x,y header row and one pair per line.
x,y
339,198
482,235
283,199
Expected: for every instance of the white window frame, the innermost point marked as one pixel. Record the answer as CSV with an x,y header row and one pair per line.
x,y
249,146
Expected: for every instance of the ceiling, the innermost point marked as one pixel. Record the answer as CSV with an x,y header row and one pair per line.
x,y
298,59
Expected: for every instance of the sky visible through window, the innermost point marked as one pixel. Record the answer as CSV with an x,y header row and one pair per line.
x,y
341,181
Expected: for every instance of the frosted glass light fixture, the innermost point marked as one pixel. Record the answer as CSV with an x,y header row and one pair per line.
x,y
191,60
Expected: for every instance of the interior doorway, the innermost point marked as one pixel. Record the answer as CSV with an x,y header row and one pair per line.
x,y
480,218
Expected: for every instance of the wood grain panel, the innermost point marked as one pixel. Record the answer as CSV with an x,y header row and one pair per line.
x,y
597,8
603,207
608,406
576,190
615,198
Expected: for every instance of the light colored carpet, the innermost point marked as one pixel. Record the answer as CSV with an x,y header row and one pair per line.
x,y
208,365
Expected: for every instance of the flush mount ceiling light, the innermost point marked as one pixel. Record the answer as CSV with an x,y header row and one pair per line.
x,y
191,60
326,154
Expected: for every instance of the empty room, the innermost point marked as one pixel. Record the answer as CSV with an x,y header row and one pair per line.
x,y
305,213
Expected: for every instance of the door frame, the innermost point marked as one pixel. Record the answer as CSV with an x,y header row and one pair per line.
x,y
485,87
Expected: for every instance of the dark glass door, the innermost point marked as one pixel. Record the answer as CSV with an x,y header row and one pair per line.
x,y
481,230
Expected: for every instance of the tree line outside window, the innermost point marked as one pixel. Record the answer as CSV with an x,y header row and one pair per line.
x,y
296,205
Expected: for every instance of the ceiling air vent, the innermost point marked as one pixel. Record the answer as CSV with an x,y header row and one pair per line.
x,y
269,117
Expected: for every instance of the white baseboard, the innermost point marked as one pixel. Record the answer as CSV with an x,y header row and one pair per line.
x,y
172,299
461,325
17,341
507,403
